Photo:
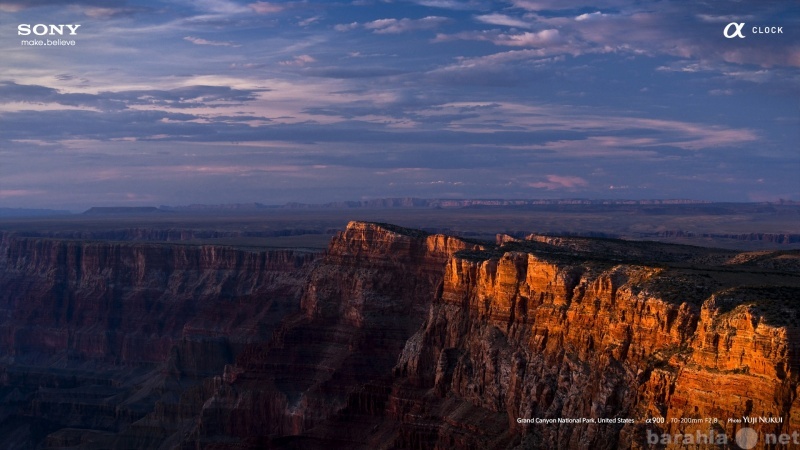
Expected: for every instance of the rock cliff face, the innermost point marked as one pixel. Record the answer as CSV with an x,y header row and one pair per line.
x,y
394,338
364,300
538,335
94,334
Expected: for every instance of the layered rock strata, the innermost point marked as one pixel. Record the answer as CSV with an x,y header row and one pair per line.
x,y
93,335
396,338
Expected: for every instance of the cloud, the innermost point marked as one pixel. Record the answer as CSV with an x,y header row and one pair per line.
x,y
710,18
753,76
266,7
590,16
528,39
298,61
555,5
549,39
355,72
346,26
9,193
560,182
100,12
721,92
197,96
16,6
502,19
453,4
223,7
309,21
395,26
201,41
497,59
509,68
11,92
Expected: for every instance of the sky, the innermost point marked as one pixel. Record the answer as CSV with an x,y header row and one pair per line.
x,y
227,101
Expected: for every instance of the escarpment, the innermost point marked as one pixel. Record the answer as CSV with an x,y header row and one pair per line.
x,y
394,338
554,335
364,300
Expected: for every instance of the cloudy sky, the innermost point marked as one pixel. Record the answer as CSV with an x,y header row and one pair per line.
x,y
223,101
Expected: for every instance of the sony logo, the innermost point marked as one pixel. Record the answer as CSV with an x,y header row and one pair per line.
x,y
41,29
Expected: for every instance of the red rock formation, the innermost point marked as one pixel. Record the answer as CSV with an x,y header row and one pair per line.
x,y
366,298
395,339
534,336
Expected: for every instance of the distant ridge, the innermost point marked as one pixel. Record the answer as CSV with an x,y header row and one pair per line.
x,y
412,202
220,207
25,212
115,210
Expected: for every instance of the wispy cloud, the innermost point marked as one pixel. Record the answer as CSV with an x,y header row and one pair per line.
x,y
395,26
266,7
298,61
16,5
201,41
9,193
590,16
456,5
101,12
710,18
219,6
560,182
346,26
502,19
542,38
528,39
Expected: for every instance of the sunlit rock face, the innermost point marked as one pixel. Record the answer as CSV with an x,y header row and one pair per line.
x,y
394,338
546,335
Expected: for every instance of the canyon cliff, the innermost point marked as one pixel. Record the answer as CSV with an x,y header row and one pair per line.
x,y
394,338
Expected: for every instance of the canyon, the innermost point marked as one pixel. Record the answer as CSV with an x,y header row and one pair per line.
x,y
391,338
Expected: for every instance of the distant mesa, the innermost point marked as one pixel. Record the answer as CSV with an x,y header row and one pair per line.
x,y
437,203
28,212
117,210
403,203
434,203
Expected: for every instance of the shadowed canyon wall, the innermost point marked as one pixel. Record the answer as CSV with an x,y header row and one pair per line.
x,y
394,338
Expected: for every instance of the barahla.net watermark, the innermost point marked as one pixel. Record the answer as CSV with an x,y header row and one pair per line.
x,y
746,438
50,30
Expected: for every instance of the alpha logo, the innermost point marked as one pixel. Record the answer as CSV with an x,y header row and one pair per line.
x,y
736,32
41,29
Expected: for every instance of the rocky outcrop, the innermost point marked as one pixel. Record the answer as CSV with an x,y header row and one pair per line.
x,y
395,338
527,337
365,299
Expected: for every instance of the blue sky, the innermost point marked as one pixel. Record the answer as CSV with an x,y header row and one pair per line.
x,y
223,101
